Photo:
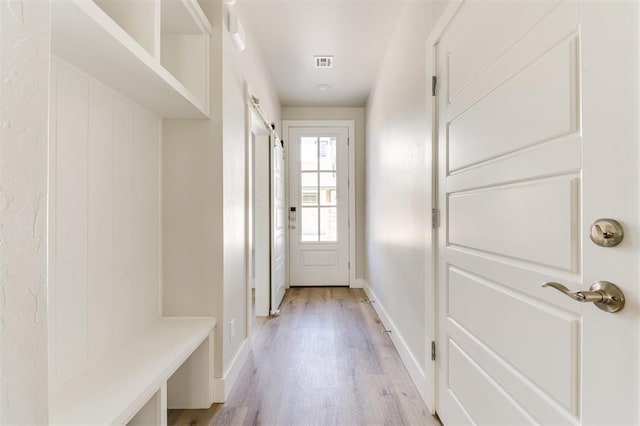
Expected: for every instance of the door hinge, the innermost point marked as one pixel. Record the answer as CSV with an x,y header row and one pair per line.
x,y
434,85
433,351
435,218
349,265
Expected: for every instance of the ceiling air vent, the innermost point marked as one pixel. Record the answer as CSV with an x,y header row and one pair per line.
x,y
323,61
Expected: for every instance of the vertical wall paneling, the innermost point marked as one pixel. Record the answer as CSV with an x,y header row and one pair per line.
x,y
123,221
146,223
71,221
51,231
105,220
100,220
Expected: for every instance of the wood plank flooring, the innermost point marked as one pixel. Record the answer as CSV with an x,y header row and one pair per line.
x,y
323,361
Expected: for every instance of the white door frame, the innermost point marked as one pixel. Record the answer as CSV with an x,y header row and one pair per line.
x,y
431,292
350,124
254,126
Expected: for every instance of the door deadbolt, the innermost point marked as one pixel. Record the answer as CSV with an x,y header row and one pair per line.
x,y
606,232
292,218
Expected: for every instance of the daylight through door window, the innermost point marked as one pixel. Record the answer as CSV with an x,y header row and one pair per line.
x,y
318,189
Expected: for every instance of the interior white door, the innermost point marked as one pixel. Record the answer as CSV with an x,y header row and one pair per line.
x,y
319,212
538,137
278,232
262,223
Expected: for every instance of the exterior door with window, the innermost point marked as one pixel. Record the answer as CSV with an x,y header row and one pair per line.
x,y
319,206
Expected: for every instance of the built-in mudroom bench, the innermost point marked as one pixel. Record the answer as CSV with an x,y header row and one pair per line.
x,y
118,69
169,366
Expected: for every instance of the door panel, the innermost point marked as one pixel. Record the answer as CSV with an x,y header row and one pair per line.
x,y
503,115
278,206
319,234
320,259
503,220
262,224
464,370
517,166
487,43
503,339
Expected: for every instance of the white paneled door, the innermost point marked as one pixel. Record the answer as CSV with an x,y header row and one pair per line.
x,y
319,212
538,137
278,223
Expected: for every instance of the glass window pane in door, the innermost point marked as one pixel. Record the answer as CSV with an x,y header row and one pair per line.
x,y
308,153
328,189
309,224
327,151
329,224
309,188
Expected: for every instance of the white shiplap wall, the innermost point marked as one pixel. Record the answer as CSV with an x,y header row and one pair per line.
x,y
104,216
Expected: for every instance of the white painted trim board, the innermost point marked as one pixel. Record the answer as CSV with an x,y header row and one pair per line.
x,y
222,385
430,394
408,359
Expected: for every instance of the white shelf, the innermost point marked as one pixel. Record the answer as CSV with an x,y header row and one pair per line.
x,y
135,17
84,35
184,17
184,44
113,390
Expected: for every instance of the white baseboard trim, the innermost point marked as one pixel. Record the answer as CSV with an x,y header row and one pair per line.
x,y
357,283
408,359
222,385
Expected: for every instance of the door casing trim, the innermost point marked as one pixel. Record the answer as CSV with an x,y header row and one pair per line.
x,y
431,260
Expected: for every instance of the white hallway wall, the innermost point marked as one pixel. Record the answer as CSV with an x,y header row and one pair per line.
x,y
25,37
239,68
398,189
204,197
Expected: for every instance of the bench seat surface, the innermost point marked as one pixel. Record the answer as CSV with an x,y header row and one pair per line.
x,y
113,389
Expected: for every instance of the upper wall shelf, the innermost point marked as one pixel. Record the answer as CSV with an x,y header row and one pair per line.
x,y
119,42
184,17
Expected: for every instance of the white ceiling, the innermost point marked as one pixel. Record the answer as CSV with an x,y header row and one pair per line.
x,y
290,32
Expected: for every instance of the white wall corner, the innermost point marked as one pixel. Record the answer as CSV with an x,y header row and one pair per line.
x,y
222,385
357,283
408,358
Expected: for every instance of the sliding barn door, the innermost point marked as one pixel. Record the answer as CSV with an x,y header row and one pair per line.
x,y
278,240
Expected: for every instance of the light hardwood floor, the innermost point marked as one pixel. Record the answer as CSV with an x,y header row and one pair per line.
x,y
323,361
